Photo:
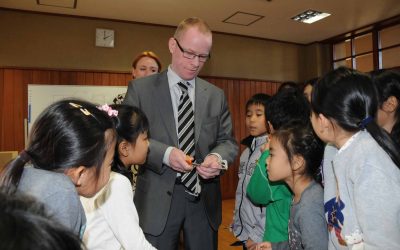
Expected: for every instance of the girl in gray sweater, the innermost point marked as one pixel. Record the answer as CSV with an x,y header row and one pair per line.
x,y
70,152
295,156
361,164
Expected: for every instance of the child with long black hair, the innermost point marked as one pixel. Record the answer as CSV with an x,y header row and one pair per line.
x,y
70,152
362,176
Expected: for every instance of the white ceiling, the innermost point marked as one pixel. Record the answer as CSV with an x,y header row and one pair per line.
x,y
346,15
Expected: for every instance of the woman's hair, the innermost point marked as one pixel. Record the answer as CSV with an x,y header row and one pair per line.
x,y
25,224
388,84
150,54
349,97
68,133
131,123
299,139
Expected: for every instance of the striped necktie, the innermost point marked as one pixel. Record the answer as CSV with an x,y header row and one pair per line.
x,y
186,138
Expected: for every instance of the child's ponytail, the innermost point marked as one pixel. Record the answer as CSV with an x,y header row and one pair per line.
x,y
350,98
12,172
384,140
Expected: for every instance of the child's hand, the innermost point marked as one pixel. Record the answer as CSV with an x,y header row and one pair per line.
x,y
264,246
250,244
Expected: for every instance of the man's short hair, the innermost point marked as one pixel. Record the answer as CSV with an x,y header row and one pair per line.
x,y
192,22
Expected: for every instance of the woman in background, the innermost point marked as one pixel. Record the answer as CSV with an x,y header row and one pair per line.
x,y
145,64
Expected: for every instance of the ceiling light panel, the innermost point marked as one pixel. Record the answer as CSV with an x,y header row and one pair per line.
x,y
310,16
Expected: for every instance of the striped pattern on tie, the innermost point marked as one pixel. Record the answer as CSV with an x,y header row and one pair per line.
x,y
186,138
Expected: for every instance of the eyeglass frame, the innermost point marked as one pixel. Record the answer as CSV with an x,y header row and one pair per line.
x,y
191,55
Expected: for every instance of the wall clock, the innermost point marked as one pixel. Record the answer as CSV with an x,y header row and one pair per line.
x,y
105,38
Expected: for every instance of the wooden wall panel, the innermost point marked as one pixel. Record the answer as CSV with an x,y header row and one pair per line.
x,y
237,93
13,104
2,107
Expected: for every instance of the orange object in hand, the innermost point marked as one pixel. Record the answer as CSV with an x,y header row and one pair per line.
x,y
189,160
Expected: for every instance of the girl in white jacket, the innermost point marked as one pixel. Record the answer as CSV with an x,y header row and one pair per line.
x,y
112,219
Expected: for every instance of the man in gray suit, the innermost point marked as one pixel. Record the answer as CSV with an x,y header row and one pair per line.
x,y
165,204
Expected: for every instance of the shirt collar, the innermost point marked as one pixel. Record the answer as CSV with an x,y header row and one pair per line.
x,y
348,142
173,79
258,141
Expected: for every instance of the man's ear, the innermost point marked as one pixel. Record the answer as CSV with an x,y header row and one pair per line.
x,y
123,148
171,45
390,105
75,174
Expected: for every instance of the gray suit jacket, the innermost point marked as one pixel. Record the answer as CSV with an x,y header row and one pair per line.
x,y
213,133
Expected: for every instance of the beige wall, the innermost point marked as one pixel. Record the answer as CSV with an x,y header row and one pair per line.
x,y
316,60
62,42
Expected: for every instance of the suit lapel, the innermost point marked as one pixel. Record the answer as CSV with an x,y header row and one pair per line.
x,y
201,99
162,98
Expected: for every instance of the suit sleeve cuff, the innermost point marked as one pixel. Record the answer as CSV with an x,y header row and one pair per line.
x,y
166,155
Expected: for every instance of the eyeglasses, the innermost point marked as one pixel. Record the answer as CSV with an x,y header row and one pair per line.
x,y
190,55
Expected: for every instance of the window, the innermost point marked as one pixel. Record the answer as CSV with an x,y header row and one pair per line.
x,y
372,49
389,47
354,53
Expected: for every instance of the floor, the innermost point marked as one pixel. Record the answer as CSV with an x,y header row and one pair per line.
x,y
225,237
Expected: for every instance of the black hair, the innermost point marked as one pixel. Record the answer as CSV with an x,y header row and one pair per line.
x,y
286,106
388,84
25,224
131,123
258,99
299,139
288,85
349,97
68,133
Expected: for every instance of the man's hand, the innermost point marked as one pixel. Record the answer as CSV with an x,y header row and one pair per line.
x,y
210,167
177,161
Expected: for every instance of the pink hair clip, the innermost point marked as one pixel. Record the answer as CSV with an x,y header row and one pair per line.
x,y
111,112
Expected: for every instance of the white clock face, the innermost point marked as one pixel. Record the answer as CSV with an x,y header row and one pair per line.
x,y
105,38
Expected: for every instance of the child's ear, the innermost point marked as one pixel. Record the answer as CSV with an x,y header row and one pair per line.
x,y
325,123
75,174
271,128
390,105
298,162
123,148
